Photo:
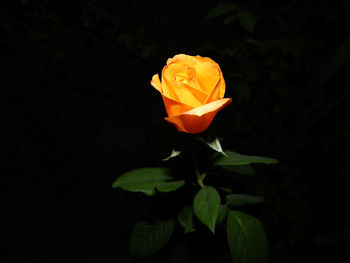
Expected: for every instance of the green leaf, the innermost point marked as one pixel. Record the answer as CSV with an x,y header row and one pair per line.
x,y
246,238
173,154
223,211
233,158
206,205
247,21
241,169
146,180
222,9
185,218
241,199
170,186
146,239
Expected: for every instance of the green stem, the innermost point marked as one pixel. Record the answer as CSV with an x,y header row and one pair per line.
x,y
200,177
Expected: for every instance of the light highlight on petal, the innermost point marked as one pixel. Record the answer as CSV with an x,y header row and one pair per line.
x,y
198,119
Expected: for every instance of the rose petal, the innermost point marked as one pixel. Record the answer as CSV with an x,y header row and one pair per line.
x,y
222,84
190,61
181,90
198,119
155,82
174,107
222,87
213,106
208,70
184,59
215,93
166,89
208,74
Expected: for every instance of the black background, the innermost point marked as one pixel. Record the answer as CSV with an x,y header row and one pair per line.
x,y
77,110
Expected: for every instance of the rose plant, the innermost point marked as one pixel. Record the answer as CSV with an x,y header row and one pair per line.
x,y
193,88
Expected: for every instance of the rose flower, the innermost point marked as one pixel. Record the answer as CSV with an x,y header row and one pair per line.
x,y
192,88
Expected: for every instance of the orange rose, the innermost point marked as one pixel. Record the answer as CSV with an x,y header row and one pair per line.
x,y
192,88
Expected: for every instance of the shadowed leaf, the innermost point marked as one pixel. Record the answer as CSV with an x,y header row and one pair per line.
x,y
146,239
206,205
222,9
233,158
246,238
185,218
241,169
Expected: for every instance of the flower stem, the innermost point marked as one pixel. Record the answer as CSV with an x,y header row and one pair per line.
x,y
200,177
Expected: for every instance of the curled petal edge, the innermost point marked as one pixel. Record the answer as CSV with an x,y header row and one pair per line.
x,y
198,119
155,82
172,106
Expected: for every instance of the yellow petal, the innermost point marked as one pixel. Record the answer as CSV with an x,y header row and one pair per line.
x,y
184,59
179,78
208,74
198,119
209,71
166,87
222,87
215,93
155,82
174,107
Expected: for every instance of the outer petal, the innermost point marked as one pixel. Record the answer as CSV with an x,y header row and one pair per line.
x,y
155,82
222,86
208,74
166,87
174,107
215,94
184,59
198,119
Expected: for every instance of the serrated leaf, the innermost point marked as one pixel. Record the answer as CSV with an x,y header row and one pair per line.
x,y
146,180
173,154
170,186
146,239
241,199
206,205
185,218
241,169
222,9
246,238
233,158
